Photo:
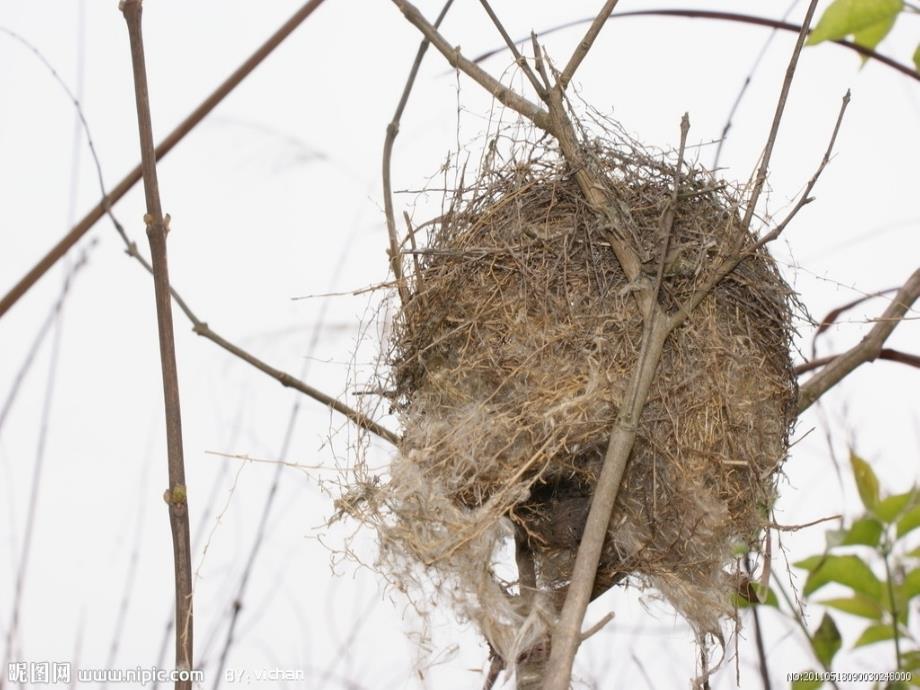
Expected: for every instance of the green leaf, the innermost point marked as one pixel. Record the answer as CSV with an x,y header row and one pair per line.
x,y
872,35
874,633
826,640
765,596
910,661
866,481
806,684
810,563
851,571
911,585
866,531
917,57
845,17
857,605
909,522
891,508
913,553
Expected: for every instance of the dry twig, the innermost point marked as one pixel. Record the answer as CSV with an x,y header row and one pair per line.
x,y
392,131
157,227
200,327
868,348
164,147
868,53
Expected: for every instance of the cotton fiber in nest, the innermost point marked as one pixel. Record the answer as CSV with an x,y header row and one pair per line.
x,y
509,363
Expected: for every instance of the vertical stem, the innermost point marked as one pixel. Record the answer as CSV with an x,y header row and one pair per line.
x,y
567,632
157,228
758,634
886,554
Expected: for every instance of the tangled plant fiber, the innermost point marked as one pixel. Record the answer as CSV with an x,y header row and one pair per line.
x,y
509,363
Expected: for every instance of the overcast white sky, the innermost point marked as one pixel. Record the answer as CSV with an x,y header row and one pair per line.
x,y
277,195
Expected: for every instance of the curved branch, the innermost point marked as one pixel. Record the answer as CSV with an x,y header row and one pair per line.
x,y
392,131
728,17
502,93
885,353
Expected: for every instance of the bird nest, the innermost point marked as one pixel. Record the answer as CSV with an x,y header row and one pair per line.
x,y
508,365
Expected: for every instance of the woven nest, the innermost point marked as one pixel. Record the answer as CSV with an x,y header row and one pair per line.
x,y
509,364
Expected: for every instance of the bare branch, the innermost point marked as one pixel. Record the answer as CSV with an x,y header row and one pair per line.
x,y
806,197
730,262
597,627
835,313
199,326
761,176
867,350
519,59
611,208
729,121
868,53
22,567
582,50
503,94
164,147
176,495
392,132
285,379
885,353
42,332
668,217
538,61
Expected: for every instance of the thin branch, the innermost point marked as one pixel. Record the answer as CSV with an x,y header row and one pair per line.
x,y
199,326
164,147
885,353
730,262
893,603
503,94
758,634
42,333
831,317
519,59
796,528
597,627
285,379
906,70
761,177
554,122
609,207
730,120
806,198
157,227
538,61
34,493
392,131
868,348
800,622
585,45
271,496
668,218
